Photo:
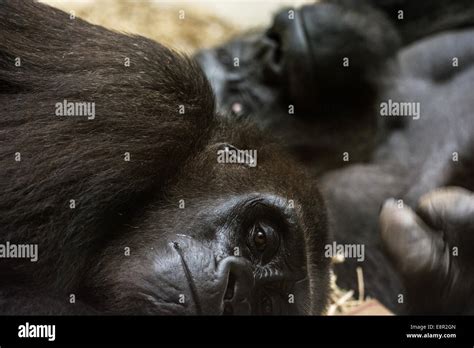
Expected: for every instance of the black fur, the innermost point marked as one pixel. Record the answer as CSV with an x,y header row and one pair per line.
x,y
65,159
172,156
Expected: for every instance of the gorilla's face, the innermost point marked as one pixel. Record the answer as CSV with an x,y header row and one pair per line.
x,y
244,75
218,248
264,71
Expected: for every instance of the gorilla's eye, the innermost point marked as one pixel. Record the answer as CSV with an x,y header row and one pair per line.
x,y
260,239
263,241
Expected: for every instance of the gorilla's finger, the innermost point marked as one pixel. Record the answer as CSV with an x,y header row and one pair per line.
x,y
447,207
413,247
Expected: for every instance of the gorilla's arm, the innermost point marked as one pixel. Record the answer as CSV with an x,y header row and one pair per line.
x,y
156,111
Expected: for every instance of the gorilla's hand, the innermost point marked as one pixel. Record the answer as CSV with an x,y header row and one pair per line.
x,y
433,249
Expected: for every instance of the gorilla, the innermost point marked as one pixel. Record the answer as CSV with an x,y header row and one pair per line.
x,y
112,171
321,80
111,163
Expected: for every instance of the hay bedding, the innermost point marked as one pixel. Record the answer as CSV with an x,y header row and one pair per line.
x,y
158,21
343,302
161,22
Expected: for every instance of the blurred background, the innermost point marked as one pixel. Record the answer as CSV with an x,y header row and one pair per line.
x,y
182,25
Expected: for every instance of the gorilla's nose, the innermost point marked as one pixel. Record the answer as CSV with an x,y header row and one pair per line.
x,y
236,272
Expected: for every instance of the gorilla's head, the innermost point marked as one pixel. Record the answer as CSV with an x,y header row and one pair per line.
x,y
172,212
228,239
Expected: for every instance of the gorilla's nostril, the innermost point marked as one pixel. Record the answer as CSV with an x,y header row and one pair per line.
x,y
237,274
229,293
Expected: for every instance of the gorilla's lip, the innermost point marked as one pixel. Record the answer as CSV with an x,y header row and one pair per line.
x,y
189,278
